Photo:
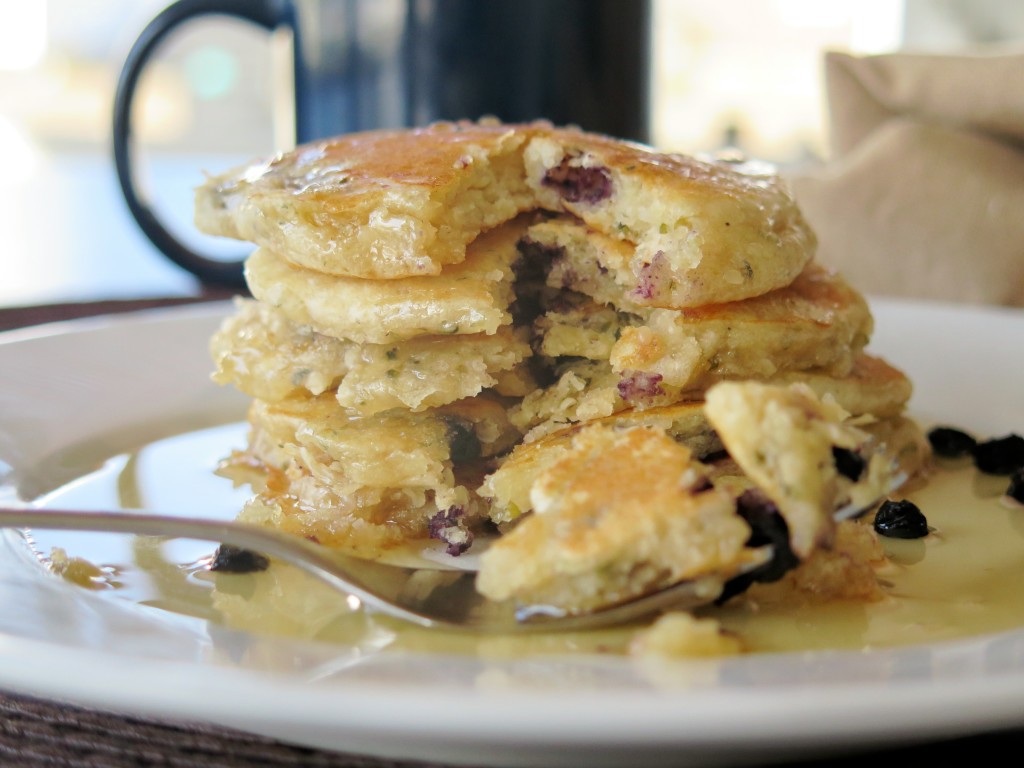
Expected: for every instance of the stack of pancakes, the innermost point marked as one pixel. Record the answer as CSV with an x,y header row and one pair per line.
x,y
442,317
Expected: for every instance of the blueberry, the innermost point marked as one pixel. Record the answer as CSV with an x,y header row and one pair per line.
x,y
849,464
900,520
951,443
767,527
463,443
577,183
639,386
1000,456
449,526
1015,490
231,559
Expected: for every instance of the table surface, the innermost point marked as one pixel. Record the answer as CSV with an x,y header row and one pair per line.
x,y
79,254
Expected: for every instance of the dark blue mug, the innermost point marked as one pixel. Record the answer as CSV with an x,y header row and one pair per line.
x,y
366,64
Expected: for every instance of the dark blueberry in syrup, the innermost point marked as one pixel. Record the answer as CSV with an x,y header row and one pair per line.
x,y
1015,490
1000,456
849,464
900,520
951,443
231,559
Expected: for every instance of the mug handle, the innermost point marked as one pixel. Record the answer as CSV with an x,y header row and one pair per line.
x,y
265,13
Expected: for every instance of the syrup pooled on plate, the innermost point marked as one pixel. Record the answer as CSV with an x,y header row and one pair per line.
x,y
958,581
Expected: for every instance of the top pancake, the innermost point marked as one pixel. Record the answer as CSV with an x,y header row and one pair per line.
x,y
391,204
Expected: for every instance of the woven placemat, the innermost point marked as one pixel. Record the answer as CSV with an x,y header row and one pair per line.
x,y
41,733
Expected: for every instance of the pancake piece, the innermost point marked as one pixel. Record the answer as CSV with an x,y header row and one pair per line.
x,y
583,390
508,488
703,232
575,326
585,260
379,204
470,297
621,513
265,355
802,452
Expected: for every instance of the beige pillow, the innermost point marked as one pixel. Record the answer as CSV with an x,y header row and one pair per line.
x,y
923,195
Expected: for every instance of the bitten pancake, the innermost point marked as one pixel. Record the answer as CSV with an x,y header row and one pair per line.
x,y
265,355
801,451
470,297
818,322
620,513
392,204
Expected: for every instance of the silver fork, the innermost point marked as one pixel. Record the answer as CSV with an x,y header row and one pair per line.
x,y
428,597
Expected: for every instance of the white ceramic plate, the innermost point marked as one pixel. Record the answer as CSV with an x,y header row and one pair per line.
x,y
73,392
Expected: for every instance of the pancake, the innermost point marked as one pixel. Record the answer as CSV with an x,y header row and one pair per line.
x,y
508,488
818,322
266,356
873,386
397,204
585,390
370,483
467,298
605,512
410,452
620,513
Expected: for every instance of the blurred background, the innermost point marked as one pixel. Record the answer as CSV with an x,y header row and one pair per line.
x,y
726,73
